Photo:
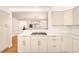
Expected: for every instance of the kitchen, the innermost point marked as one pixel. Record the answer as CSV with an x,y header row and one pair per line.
x,y
44,29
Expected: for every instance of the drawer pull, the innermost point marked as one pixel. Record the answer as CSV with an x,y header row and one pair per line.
x,y
53,36
54,39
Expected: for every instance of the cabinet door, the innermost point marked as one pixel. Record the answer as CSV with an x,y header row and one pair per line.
x,y
43,44
66,44
76,16
68,17
27,44
54,44
76,45
4,30
58,18
35,42
21,44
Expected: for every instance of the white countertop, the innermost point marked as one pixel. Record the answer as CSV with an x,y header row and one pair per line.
x,y
50,33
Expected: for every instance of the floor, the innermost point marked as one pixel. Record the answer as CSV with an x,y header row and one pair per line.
x,y
13,49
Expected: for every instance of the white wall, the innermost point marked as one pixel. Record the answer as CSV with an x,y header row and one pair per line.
x,y
17,26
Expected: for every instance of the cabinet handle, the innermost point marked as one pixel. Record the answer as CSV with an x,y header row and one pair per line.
x,y
38,43
53,45
24,43
24,36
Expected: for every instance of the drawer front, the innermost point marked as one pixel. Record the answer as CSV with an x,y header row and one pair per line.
x,y
54,40
53,48
54,44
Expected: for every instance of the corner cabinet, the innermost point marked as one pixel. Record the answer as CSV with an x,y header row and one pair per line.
x,y
66,44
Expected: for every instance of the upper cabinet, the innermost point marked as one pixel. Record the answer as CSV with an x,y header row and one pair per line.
x,y
76,16
68,17
62,17
57,18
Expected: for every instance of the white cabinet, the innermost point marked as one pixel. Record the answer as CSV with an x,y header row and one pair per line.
x,y
35,43
54,44
4,30
57,18
43,44
68,17
23,44
38,43
76,16
66,44
75,45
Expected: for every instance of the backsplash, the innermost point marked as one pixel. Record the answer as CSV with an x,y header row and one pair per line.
x,y
65,29
75,29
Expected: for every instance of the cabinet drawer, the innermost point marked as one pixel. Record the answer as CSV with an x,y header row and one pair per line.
x,y
54,40
54,37
54,44
54,48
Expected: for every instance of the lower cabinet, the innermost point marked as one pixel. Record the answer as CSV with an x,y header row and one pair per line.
x,y
23,44
38,44
43,44
34,44
54,44
50,44
75,45
66,44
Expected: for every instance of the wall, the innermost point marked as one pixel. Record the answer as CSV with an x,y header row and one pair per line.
x,y
15,26
75,29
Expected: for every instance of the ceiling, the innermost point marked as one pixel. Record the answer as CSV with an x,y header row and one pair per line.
x,y
40,8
